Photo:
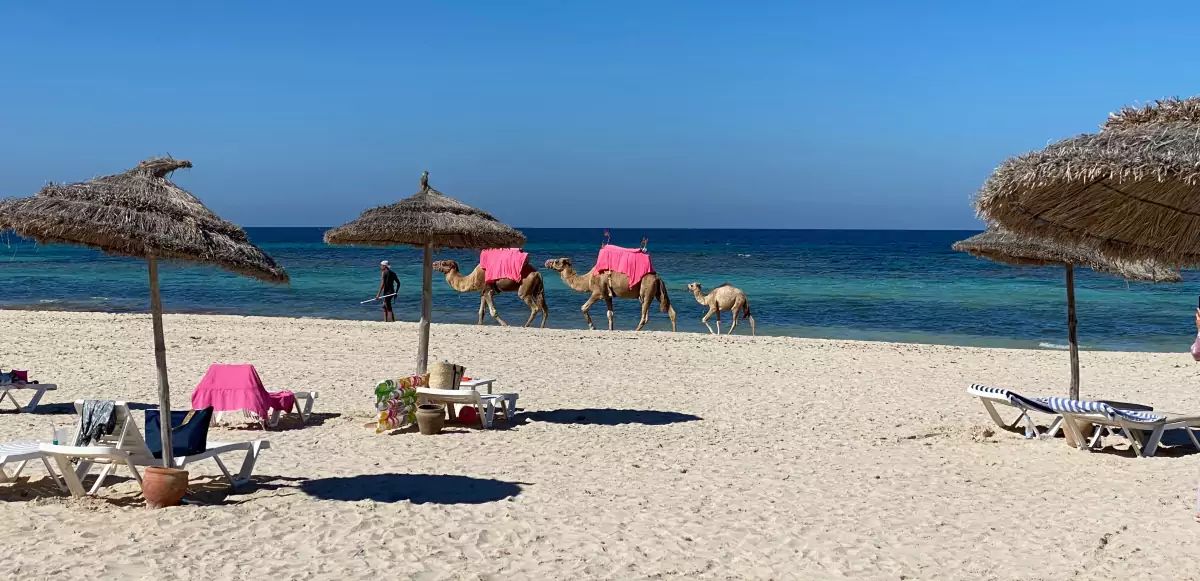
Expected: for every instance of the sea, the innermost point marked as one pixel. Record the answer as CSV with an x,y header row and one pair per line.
x,y
878,285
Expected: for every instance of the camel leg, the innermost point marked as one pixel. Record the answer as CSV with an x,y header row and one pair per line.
x,y
645,312
718,321
544,308
608,304
707,316
733,314
751,318
491,304
587,307
532,310
482,304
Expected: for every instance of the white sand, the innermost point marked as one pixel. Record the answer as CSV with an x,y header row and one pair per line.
x,y
811,459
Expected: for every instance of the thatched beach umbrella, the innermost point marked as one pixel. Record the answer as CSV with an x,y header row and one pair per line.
x,y
428,219
1132,190
140,213
1006,247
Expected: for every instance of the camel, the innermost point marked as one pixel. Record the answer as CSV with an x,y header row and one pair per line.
x,y
530,290
723,298
607,285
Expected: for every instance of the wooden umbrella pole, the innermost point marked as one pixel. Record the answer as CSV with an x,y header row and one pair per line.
x,y
160,359
426,309
1072,338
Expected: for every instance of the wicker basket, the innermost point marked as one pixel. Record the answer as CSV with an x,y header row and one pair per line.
x,y
445,375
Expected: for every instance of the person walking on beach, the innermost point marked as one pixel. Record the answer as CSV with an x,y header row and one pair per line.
x,y
389,284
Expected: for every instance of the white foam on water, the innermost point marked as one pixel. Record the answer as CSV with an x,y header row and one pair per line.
x,y
1048,345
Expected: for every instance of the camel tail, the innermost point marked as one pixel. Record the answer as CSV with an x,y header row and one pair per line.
x,y
660,293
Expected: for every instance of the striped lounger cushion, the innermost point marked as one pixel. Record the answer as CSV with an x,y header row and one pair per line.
x,y
1074,406
1016,399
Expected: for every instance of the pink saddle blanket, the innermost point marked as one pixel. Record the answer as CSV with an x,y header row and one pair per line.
x,y
498,263
630,261
238,387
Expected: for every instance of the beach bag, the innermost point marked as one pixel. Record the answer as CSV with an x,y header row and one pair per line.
x,y
19,376
1196,348
189,432
445,375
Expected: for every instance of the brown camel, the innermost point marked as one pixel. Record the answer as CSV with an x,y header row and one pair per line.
x,y
607,285
723,298
530,290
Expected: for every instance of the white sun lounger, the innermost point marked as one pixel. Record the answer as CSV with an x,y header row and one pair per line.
x,y
38,389
1130,423
87,455
990,396
484,403
20,453
128,438
304,406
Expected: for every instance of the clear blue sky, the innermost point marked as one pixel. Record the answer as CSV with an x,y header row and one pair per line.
x,y
617,114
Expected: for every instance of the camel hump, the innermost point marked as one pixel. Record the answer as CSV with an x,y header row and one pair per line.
x,y
723,284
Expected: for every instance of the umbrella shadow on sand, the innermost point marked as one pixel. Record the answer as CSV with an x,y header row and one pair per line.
x,y
392,487
416,488
610,417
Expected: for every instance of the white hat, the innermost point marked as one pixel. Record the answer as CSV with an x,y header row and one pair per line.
x,y
384,263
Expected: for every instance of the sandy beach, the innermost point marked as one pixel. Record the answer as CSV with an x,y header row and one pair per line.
x,y
650,455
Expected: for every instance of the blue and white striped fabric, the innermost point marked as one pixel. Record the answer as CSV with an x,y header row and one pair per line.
x,y
1074,406
1013,398
978,389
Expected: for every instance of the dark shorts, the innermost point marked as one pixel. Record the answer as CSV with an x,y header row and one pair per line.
x,y
387,303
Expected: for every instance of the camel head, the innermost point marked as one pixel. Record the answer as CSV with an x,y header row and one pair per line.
x,y
558,264
445,266
695,288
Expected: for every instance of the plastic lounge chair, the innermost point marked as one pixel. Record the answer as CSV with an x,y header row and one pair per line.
x,y
990,396
238,388
38,389
485,403
128,438
303,407
508,403
21,453
87,455
1129,423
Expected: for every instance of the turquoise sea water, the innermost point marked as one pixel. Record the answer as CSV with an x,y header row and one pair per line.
x,y
876,285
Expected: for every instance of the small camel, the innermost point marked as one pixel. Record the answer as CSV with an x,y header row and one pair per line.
x,y
607,285
723,298
531,290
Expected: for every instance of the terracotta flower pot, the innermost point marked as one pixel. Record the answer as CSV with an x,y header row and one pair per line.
x,y
164,487
430,418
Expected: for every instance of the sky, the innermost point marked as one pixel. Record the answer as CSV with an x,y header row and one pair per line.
x,y
577,114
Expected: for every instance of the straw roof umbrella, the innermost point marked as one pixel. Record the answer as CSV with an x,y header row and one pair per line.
x,y
1132,190
140,213
1002,246
428,219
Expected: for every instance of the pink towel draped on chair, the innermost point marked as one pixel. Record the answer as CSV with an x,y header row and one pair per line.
x,y
238,387
498,263
631,261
